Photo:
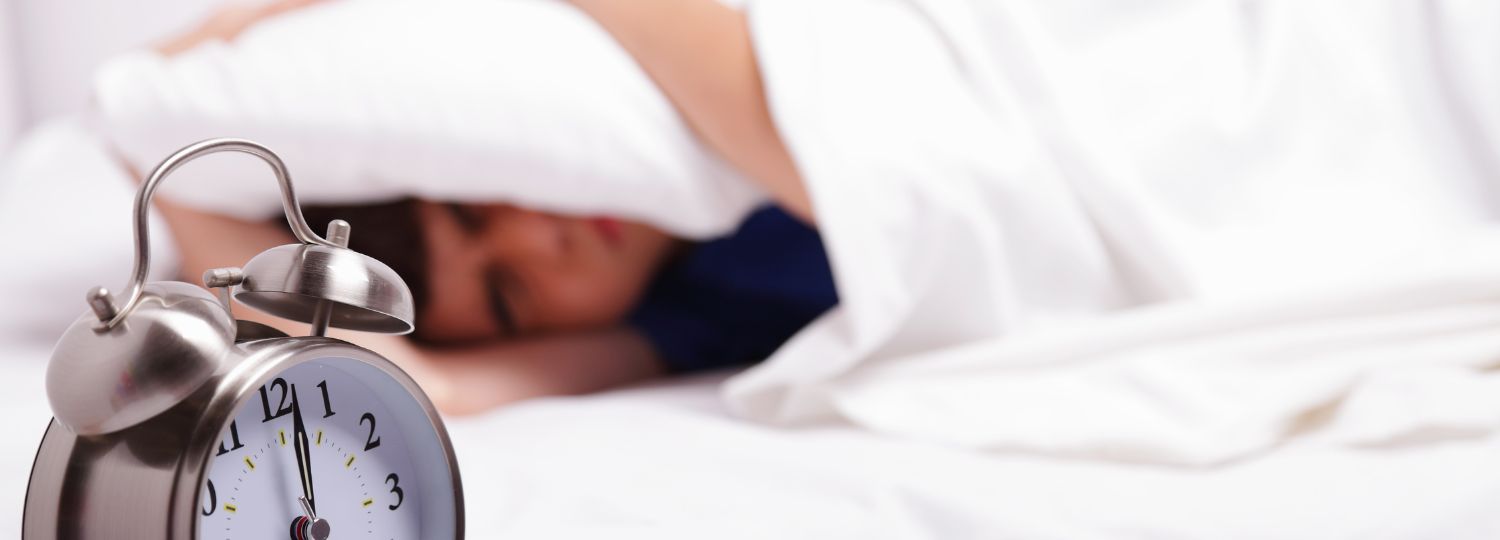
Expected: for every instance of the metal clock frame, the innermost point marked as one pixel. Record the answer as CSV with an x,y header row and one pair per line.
x,y
162,462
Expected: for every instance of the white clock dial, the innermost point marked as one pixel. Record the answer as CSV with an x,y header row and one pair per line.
x,y
374,464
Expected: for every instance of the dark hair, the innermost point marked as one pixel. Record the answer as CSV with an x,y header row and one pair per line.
x,y
391,232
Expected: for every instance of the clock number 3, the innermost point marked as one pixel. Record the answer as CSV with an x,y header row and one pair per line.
x,y
395,482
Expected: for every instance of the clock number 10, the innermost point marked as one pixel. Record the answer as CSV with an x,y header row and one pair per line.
x,y
213,500
283,404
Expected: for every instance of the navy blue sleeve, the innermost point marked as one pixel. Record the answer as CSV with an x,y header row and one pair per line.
x,y
735,300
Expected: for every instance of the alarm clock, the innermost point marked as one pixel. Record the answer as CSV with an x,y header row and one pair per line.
x,y
173,420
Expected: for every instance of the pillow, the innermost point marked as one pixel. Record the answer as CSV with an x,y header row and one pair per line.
x,y
522,101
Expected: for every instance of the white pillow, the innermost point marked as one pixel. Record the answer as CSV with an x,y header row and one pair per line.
x,y
526,101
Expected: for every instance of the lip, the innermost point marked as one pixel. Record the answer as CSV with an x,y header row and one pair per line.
x,y
609,229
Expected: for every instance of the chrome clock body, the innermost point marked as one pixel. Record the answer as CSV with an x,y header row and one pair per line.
x,y
146,481
145,388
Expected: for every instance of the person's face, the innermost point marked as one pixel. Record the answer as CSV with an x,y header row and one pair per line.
x,y
501,271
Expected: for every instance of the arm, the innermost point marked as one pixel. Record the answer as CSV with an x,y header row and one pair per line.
x,y
699,53
227,22
483,377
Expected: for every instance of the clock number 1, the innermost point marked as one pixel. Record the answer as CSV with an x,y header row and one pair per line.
x,y
327,406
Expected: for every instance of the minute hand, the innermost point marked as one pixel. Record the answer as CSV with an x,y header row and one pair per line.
x,y
304,455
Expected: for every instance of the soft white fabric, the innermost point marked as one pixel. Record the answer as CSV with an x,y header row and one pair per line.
x,y
65,227
669,463
665,463
526,101
11,117
1169,232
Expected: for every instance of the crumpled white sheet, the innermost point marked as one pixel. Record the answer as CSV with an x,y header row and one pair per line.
x,y
1174,232
1168,232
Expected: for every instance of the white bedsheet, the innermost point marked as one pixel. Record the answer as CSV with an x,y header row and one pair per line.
x,y
668,462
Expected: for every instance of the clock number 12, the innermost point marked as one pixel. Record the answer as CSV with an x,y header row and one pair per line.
x,y
283,407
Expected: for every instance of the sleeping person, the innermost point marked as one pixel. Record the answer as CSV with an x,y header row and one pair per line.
x,y
1194,216
515,303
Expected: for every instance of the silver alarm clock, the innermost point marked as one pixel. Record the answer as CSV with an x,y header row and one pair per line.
x,y
172,420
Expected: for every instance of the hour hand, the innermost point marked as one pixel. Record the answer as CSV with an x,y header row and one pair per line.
x,y
304,455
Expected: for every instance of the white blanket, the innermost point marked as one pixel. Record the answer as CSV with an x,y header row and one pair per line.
x,y
1173,232
1177,232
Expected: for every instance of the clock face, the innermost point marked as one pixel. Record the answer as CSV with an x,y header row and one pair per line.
x,y
372,461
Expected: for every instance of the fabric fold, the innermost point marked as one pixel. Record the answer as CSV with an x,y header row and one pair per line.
x,y
1055,231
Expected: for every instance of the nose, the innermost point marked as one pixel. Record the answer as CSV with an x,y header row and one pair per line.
x,y
527,235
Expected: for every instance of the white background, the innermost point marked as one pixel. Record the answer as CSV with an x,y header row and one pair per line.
x,y
49,50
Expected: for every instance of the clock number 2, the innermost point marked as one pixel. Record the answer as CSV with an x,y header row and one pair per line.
x,y
371,441
282,407
234,439
395,482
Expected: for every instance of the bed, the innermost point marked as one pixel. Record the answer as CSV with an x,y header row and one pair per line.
x,y
668,460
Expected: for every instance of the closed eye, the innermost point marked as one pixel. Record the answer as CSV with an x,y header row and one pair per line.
x,y
468,218
500,307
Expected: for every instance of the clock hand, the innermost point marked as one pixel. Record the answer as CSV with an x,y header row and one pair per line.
x,y
309,527
307,508
304,455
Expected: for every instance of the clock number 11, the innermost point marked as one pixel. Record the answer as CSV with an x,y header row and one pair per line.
x,y
234,439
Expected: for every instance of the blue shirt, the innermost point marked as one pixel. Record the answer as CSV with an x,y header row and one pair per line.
x,y
735,300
